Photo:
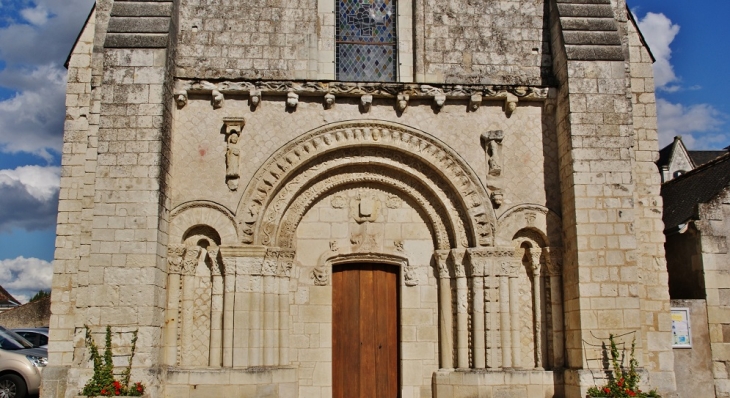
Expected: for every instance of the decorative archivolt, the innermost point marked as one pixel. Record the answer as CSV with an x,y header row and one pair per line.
x,y
532,217
294,166
190,214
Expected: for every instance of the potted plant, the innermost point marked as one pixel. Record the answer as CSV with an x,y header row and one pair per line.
x,y
103,382
622,382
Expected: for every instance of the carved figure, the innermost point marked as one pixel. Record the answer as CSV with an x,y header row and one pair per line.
x,y
329,101
409,274
492,141
233,153
402,102
217,98
439,100
366,101
255,98
292,99
497,197
320,276
181,99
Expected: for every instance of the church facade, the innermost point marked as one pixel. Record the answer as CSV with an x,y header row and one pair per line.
x,y
389,198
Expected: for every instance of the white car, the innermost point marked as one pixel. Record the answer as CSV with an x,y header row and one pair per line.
x,y
37,336
21,366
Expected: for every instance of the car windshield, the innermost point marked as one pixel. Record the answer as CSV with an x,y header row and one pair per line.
x,y
12,341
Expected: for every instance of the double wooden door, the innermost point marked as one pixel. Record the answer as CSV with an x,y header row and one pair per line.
x,y
365,331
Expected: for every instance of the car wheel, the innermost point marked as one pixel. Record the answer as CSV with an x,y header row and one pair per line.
x,y
12,386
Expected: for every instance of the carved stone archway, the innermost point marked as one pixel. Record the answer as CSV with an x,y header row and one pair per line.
x,y
289,174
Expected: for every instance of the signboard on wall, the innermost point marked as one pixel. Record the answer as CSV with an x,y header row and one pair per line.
x,y
681,330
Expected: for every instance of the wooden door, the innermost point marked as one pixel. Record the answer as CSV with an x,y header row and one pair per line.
x,y
365,331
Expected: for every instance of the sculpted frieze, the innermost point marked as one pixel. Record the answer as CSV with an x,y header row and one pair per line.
x,y
438,92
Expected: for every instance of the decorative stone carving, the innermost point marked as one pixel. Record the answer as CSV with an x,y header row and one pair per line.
x,y
475,101
338,202
434,158
269,267
232,129
174,258
410,276
229,266
254,98
509,268
497,197
215,268
320,276
366,101
393,202
441,258
439,100
285,263
530,218
492,141
190,260
181,99
292,99
329,101
217,99
364,208
402,102
439,92
510,103
399,246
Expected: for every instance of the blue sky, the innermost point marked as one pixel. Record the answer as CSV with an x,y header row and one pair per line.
x,y
690,41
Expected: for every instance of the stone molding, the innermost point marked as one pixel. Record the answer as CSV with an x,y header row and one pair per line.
x,y
434,156
199,212
545,222
401,92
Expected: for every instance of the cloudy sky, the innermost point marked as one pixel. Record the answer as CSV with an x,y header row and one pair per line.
x,y
689,42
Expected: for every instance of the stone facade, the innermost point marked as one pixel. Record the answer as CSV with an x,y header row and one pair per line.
x,y
216,175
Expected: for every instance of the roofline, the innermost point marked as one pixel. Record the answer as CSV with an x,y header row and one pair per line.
x,y
641,35
720,159
88,17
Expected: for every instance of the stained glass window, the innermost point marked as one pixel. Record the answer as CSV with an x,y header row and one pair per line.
x,y
366,40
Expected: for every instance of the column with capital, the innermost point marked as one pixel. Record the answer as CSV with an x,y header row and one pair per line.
x,y
462,309
446,345
553,260
504,313
477,266
536,268
216,310
514,310
174,267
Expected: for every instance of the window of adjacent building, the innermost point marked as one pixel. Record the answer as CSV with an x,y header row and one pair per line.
x,y
366,40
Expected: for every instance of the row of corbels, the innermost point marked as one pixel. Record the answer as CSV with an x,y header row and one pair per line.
x,y
366,100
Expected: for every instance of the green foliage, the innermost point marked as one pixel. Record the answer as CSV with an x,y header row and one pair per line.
x,y
623,383
40,295
103,383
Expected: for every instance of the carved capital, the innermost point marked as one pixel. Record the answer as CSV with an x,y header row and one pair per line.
x,y
271,259
456,260
509,268
229,266
441,258
536,262
215,269
479,262
553,260
190,260
286,263
174,258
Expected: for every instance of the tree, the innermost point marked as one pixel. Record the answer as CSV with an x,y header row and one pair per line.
x,y
40,295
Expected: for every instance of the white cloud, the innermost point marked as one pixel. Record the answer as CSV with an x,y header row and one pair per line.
x,y
692,122
33,53
36,15
41,182
23,277
659,32
29,197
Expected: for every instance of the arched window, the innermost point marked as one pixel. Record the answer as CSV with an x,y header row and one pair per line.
x,y
366,40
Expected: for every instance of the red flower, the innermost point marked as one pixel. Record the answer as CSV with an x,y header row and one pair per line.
x,y
140,388
103,391
631,393
621,382
606,390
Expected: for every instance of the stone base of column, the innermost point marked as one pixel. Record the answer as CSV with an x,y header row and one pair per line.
x,y
497,383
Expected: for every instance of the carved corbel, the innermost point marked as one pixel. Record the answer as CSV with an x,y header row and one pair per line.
x,y
254,98
218,99
402,102
475,101
366,101
292,99
439,100
181,99
232,129
320,276
510,103
492,142
497,197
409,274
329,101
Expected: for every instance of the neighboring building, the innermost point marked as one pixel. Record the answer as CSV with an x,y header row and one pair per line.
x,y
675,159
311,198
34,314
7,301
697,226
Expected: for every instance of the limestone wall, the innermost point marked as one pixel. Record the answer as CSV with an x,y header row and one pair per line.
x,y
496,42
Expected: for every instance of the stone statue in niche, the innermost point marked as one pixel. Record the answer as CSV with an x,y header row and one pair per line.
x,y
492,141
232,129
364,210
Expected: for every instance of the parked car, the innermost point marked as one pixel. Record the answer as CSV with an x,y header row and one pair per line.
x,y
21,365
37,336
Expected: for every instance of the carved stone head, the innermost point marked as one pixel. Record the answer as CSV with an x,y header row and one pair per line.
x,y
292,99
329,100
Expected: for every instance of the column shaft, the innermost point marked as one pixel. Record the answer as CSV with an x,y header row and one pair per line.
x,y
446,324
477,321
462,323
514,310
171,324
228,294
216,322
505,324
